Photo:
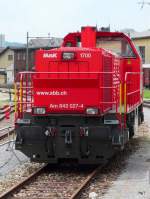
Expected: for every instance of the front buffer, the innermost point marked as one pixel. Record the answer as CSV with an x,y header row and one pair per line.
x,y
57,139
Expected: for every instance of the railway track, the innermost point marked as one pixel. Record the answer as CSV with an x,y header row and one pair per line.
x,y
45,183
3,111
53,183
68,183
6,132
147,103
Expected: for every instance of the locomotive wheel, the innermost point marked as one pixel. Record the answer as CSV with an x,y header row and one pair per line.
x,y
134,128
131,131
142,117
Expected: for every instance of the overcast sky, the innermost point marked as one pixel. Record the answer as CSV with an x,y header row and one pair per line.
x,y
58,17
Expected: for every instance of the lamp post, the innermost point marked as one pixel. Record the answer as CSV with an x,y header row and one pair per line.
x,y
27,53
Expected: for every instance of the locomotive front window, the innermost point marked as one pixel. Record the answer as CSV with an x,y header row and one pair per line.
x,y
68,44
117,45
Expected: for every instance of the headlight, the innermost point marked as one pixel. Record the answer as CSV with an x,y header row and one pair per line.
x,y
68,55
92,111
39,111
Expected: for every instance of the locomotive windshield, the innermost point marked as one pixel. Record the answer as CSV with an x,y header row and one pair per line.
x,y
117,45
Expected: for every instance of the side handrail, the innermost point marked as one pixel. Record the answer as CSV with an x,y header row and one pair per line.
x,y
68,72
126,93
125,88
135,73
8,129
15,97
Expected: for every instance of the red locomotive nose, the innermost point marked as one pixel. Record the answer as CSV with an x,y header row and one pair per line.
x,y
83,99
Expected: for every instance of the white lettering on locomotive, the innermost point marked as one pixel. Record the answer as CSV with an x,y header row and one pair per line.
x,y
50,55
66,106
85,55
52,93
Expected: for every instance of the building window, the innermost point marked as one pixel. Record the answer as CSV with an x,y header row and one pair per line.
x,y
10,57
142,52
18,56
24,56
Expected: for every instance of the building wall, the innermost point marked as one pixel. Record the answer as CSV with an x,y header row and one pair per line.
x,y
2,79
20,60
7,65
4,59
144,42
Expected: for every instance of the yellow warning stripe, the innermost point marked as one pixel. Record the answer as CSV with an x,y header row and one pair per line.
x,y
125,97
120,109
21,94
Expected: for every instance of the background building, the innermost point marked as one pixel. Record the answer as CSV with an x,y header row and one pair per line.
x,y
6,66
142,41
13,59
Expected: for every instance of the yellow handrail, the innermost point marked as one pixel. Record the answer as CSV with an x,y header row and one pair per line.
x,y
15,97
125,97
21,94
120,90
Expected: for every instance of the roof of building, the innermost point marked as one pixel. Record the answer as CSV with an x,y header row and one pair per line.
x,y
1,49
52,42
138,35
5,49
36,44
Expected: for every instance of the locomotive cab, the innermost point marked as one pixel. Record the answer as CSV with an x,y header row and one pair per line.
x,y
81,101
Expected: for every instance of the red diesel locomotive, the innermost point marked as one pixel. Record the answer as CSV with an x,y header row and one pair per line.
x,y
83,100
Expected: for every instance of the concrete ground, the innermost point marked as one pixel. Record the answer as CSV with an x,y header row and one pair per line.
x,y
7,122
9,157
134,181
4,96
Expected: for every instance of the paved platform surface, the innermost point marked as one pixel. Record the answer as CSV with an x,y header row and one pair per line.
x,y
4,96
134,181
7,122
9,157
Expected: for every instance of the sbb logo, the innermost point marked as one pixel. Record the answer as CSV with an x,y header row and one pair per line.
x,y
50,55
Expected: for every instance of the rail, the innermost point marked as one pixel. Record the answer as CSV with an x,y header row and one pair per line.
x,y
77,193
29,181
22,183
6,132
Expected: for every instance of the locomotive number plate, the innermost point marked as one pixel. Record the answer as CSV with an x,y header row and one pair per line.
x,y
66,106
